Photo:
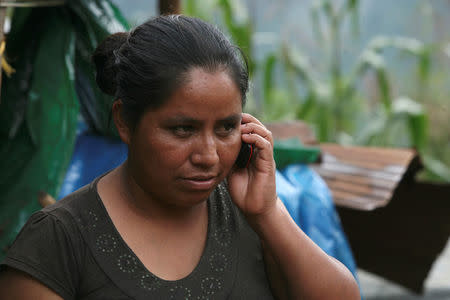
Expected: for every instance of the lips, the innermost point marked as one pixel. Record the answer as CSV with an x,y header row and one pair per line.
x,y
200,182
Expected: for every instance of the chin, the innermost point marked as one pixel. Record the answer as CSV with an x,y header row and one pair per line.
x,y
198,196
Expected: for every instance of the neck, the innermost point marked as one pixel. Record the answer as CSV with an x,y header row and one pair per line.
x,y
143,204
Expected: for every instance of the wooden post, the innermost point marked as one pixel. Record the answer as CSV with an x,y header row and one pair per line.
x,y
2,36
169,7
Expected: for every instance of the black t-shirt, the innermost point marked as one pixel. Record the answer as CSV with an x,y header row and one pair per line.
x,y
73,248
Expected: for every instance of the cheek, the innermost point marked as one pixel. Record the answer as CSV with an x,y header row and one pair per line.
x,y
171,155
159,154
229,151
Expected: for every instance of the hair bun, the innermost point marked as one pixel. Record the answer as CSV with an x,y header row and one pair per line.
x,y
105,62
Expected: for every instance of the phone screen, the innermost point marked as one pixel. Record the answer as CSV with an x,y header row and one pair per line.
x,y
245,155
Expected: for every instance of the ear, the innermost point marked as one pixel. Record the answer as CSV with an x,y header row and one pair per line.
x,y
122,127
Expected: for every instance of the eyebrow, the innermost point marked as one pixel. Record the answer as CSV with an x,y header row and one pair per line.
x,y
232,118
183,119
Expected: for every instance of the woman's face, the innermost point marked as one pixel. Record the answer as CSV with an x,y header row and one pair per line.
x,y
179,152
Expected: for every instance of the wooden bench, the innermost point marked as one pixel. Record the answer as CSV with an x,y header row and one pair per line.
x,y
364,178
396,225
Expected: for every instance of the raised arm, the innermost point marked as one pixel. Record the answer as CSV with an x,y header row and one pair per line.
x,y
297,268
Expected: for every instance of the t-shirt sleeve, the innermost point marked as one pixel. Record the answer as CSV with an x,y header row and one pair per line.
x,y
45,250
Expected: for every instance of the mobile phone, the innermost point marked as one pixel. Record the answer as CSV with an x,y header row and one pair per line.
x,y
245,155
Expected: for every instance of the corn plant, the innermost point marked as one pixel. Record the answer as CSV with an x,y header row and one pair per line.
x,y
337,105
333,101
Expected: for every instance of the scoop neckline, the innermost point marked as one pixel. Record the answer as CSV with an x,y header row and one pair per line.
x,y
124,244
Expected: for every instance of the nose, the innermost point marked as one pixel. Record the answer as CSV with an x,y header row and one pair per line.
x,y
205,152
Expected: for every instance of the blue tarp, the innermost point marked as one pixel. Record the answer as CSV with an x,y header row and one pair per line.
x,y
93,155
308,200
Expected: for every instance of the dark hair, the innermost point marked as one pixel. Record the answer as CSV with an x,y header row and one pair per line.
x,y
143,67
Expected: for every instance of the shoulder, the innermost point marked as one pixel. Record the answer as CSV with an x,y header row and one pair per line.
x,y
47,251
50,247
55,221
72,202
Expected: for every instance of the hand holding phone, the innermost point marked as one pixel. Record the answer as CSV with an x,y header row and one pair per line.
x,y
245,155
252,183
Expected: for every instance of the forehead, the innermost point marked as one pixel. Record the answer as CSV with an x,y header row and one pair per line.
x,y
204,94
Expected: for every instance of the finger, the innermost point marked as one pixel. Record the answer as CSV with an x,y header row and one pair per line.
x,y
255,128
263,146
247,118
250,120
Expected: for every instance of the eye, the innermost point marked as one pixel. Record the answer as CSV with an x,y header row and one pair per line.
x,y
182,130
226,128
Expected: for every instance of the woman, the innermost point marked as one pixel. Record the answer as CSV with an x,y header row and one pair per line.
x,y
177,220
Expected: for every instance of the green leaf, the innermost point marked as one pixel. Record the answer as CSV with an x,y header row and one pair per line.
x,y
372,128
280,106
297,62
190,8
383,85
315,20
307,106
325,123
370,59
352,6
436,167
407,45
323,6
416,118
424,65
241,29
201,9
268,77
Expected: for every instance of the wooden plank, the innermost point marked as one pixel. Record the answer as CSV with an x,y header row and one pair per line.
x,y
358,171
353,201
359,190
363,178
374,154
372,182
367,164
